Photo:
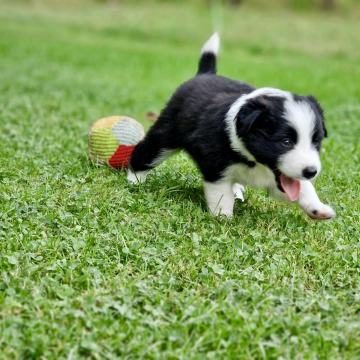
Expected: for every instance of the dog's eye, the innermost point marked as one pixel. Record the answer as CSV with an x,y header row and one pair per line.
x,y
287,142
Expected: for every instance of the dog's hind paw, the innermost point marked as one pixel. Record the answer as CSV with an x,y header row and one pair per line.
x,y
136,177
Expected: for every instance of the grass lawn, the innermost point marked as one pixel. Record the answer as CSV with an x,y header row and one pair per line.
x,y
92,267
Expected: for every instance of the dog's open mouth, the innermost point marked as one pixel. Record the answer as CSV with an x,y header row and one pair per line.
x,y
291,187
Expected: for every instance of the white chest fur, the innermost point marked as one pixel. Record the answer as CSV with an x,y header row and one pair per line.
x,y
258,176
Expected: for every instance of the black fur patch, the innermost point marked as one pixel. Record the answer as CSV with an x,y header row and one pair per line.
x,y
269,135
194,120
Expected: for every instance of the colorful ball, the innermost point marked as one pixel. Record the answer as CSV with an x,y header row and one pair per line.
x,y
113,139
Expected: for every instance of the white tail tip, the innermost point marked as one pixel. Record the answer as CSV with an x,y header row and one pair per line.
x,y
212,45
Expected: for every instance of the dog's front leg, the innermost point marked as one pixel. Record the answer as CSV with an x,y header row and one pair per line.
x,y
220,197
311,204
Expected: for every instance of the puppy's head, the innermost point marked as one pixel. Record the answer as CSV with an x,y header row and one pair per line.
x,y
285,134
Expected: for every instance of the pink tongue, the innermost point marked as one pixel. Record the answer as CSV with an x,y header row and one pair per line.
x,y
290,186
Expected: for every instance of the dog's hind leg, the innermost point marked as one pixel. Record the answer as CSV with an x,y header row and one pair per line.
x,y
150,152
135,175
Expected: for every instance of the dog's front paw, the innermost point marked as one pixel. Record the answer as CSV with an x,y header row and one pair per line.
x,y
238,191
222,213
321,212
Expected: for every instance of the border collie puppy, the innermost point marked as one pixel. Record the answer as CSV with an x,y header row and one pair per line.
x,y
236,134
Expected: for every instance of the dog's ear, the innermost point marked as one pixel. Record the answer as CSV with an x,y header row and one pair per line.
x,y
250,113
320,111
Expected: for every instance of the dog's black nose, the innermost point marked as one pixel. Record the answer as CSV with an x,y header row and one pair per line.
x,y
309,172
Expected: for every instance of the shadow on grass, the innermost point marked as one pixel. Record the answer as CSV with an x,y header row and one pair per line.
x,y
165,187
255,210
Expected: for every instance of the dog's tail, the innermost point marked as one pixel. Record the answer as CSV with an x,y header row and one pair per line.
x,y
209,51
